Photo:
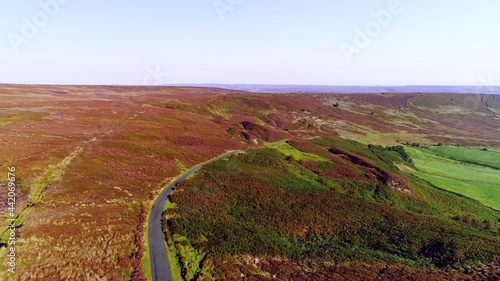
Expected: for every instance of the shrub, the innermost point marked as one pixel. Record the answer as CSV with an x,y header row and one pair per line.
x,y
401,151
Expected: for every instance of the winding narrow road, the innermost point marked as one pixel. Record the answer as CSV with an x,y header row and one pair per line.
x,y
160,267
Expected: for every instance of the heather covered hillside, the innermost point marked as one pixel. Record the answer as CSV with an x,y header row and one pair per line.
x,y
332,174
264,215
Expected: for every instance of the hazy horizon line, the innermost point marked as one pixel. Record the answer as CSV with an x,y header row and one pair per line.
x,y
247,84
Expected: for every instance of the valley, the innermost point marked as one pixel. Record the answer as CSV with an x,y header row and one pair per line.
x,y
336,185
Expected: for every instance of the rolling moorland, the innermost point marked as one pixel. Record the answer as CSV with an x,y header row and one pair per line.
x,y
330,184
329,219
324,89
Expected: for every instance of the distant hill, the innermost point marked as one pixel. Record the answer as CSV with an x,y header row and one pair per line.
x,y
317,89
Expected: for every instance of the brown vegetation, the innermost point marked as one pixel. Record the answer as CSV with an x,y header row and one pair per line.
x,y
87,224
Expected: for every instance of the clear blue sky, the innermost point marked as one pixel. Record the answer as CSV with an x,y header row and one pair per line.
x,y
452,42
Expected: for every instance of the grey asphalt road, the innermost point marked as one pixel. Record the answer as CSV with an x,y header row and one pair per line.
x,y
160,267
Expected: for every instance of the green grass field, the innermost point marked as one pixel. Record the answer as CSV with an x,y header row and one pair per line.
x,y
288,150
471,180
488,158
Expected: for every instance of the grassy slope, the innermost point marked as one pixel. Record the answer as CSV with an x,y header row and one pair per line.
x,y
475,156
474,181
286,210
288,150
172,251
